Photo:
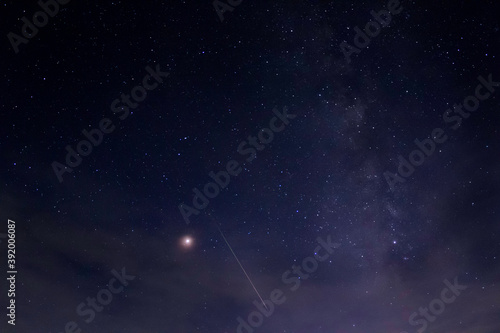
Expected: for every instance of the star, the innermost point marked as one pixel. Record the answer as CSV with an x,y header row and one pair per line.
x,y
187,242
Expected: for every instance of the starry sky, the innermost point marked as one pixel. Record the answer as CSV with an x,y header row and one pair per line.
x,y
322,178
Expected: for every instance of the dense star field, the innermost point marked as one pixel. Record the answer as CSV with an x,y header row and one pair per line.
x,y
250,167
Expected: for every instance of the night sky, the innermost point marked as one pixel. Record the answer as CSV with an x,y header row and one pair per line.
x,y
167,164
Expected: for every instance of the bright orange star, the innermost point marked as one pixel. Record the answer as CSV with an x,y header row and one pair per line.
x,y
187,242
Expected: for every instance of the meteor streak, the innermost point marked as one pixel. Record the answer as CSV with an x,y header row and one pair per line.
x,y
239,263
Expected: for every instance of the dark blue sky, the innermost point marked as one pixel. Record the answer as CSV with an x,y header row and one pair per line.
x,y
323,175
